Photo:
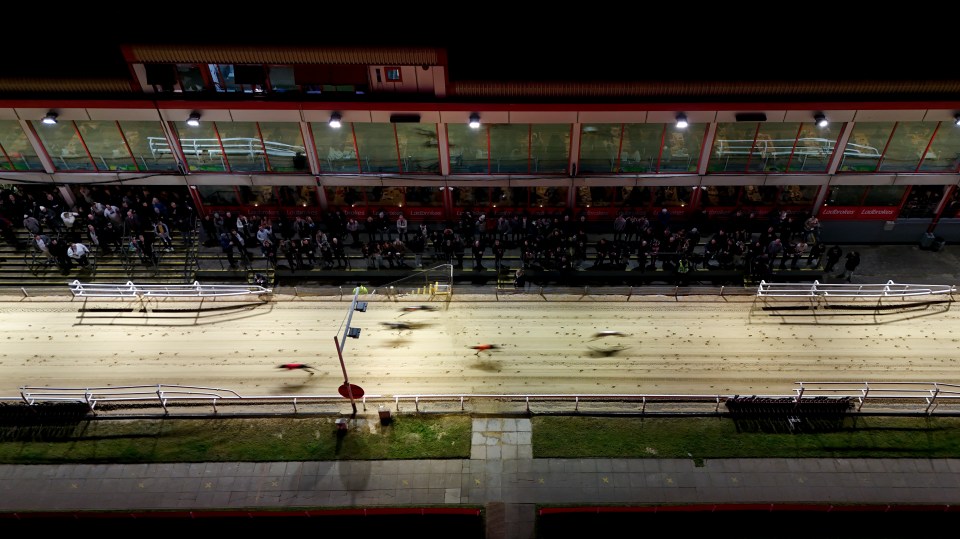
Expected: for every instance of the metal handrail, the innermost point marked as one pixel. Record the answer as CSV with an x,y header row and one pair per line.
x,y
818,289
928,395
133,290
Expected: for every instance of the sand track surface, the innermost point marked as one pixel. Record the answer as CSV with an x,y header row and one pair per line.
x,y
543,346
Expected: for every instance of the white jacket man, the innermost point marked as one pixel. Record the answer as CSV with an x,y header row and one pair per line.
x,y
78,252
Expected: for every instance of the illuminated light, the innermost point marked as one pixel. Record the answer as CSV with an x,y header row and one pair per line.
x,y
50,118
194,119
335,120
474,120
682,121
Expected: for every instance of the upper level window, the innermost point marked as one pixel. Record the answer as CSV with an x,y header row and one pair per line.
x,y
392,74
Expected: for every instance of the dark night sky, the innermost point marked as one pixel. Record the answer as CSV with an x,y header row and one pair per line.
x,y
558,48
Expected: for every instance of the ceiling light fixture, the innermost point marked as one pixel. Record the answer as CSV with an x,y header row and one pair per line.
x,y
821,120
956,118
50,118
194,119
474,120
682,121
335,120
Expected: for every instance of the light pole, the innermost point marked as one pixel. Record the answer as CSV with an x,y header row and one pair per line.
x,y
347,389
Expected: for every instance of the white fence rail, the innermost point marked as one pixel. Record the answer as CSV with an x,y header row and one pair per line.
x,y
816,289
882,397
133,290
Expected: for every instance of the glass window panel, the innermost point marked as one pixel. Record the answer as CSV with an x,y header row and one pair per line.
x,y
952,209
598,196
518,196
383,196
922,201
377,147
549,196
863,149
218,195
335,148
510,148
804,195
257,195
106,145
641,147
469,151
242,144
282,79
599,148
759,195
845,195
223,77
885,195
774,146
64,145
419,148
201,147
944,153
19,153
466,197
342,195
814,147
907,146
732,147
297,195
551,148
191,77
672,195
430,197
149,145
637,197
502,198
284,144
681,148
723,195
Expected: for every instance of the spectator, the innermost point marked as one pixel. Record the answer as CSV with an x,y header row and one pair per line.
x,y
227,247
353,227
42,242
853,260
59,251
477,250
269,251
833,256
32,224
402,228
162,232
79,252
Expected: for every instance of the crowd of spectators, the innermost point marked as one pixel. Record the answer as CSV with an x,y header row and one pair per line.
x,y
106,219
101,221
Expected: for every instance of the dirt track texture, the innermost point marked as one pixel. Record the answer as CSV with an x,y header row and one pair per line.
x,y
556,345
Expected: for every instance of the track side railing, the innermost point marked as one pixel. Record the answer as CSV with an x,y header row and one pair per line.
x,y
878,397
133,290
817,289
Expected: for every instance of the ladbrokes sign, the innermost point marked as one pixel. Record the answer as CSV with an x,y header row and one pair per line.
x,y
880,213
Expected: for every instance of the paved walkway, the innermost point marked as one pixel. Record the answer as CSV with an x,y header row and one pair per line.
x,y
500,476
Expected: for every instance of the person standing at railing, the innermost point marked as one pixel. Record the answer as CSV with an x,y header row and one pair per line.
x,y
353,227
850,266
833,256
42,242
269,251
402,228
79,252
162,232
227,246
